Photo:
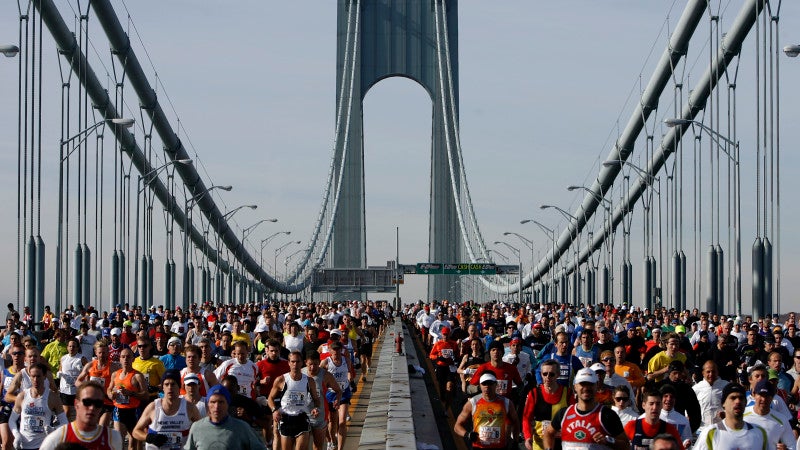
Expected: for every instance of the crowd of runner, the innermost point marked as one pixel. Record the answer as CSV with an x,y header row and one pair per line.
x,y
276,375
605,376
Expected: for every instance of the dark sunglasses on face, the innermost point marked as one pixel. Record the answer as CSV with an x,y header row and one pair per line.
x,y
548,374
97,403
621,399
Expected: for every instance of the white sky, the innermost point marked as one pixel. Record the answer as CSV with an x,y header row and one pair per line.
x,y
545,88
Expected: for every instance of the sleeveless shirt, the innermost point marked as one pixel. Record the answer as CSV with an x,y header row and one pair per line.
x,y
175,427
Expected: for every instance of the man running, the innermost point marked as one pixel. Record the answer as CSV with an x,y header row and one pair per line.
x,y
165,422
299,401
732,431
86,430
491,417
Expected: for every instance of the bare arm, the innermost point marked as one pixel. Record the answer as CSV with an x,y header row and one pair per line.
x,y
13,389
141,384
210,378
140,431
277,387
192,411
463,420
83,375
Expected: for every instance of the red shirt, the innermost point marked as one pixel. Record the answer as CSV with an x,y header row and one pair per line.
x,y
445,349
273,370
650,431
505,372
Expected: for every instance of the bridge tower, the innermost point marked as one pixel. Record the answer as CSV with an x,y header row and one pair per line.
x,y
398,38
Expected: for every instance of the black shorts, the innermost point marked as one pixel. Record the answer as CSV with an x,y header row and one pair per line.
x,y
66,399
365,350
293,426
5,411
127,417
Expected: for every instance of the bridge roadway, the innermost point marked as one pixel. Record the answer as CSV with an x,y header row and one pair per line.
x,y
395,410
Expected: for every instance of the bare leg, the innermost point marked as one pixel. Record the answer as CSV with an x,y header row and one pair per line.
x,y
342,428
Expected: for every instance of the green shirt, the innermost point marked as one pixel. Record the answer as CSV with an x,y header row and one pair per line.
x,y
230,434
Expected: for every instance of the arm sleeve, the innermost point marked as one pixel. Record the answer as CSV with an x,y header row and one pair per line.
x,y
556,422
527,414
693,409
611,421
12,420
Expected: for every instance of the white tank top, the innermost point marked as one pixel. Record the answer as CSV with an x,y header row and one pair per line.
x,y
176,426
205,387
339,372
36,415
296,395
71,367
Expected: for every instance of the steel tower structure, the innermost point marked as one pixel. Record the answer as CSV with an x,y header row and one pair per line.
x,y
396,38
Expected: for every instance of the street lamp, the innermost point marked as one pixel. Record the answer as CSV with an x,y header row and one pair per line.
x,y
280,249
266,240
249,229
9,50
528,243
519,260
187,209
576,240
286,262
551,234
717,137
790,50
141,183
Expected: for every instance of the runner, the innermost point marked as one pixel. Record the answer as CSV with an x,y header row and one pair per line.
x,y
86,430
323,380
491,417
299,400
128,389
35,409
340,368
165,423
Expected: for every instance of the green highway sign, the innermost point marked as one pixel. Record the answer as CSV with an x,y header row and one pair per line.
x,y
452,269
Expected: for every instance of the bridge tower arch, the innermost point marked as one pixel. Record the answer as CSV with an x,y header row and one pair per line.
x,y
397,38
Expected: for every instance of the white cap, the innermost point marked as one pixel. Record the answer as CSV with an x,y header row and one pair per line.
x,y
167,323
585,375
598,367
488,377
116,332
174,340
260,328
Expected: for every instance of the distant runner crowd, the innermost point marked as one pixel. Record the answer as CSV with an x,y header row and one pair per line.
x,y
276,375
591,377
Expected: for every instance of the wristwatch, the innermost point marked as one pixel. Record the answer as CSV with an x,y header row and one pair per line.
x,y
610,440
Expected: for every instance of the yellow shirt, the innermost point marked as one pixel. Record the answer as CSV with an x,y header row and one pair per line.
x,y
152,369
243,337
661,360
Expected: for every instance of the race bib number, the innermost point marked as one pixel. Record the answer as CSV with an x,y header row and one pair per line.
x,y
489,435
34,425
297,398
68,379
545,425
447,353
502,387
99,380
123,399
174,441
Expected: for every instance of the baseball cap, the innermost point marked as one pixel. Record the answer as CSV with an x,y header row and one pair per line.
x,y
732,388
105,332
772,374
174,340
516,340
116,332
171,374
680,329
336,332
445,331
764,387
630,326
191,379
260,328
537,326
598,367
676,366
488,377
586,375
219,389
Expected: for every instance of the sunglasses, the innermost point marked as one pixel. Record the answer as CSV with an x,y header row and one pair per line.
x,y
97,403
548,374
17,353
608,359
622,399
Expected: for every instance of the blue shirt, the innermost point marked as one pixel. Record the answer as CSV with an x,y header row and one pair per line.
x,y
176,362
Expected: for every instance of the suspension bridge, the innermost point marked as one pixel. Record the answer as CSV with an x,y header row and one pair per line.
x,y
676,203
